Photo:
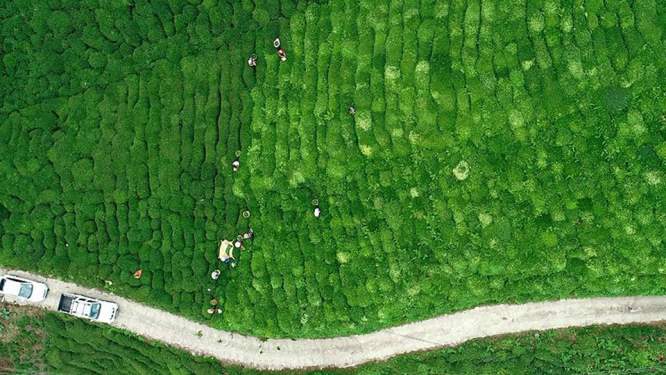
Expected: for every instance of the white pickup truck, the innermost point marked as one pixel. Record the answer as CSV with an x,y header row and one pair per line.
x,y
89,308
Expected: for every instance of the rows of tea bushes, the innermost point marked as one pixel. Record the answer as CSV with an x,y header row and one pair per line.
x,y
74,346
499,152
33,341
125,165
558,129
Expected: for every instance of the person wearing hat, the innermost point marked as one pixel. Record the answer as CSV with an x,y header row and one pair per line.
x,y
252,61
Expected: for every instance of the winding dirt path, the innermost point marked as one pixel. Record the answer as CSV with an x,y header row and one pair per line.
x,y
349,351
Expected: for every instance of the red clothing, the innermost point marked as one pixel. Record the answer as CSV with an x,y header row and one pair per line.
x,y
282,53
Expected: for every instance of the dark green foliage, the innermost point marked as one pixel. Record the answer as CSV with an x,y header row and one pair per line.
x,y
21,340
595,350
616,98
118,125
75,346
33,341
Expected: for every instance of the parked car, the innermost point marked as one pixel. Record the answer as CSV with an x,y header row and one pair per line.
x,y
23,289
88,308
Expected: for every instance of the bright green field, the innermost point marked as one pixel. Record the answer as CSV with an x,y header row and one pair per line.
x,y
33,341
118,125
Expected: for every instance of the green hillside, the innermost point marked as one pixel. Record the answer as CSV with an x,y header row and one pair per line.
x,y
500,151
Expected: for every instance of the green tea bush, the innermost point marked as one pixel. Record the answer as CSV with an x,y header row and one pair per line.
x,y
74,346
119,125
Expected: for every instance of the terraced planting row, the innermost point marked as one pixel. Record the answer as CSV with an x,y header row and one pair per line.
x,y
482,164
499,152
129,170
33,341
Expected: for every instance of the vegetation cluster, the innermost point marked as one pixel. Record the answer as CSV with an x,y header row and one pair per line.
x,y
501,151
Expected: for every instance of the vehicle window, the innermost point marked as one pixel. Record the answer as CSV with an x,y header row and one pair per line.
x,y
2,284
26,290
94,310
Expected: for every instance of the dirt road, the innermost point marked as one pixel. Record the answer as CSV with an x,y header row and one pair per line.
x,y
348,351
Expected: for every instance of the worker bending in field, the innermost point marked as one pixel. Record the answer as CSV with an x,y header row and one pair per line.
x,y
249,235
282,54
280,51
252,61
238,244
235,165
316,211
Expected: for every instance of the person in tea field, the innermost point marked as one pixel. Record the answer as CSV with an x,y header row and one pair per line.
x,y
235,165
238,244
252,61
282,54
317,211
230,261
214,310
280,51
249,235
215,307
352,110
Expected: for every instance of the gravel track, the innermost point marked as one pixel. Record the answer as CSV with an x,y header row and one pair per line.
x,y
347,351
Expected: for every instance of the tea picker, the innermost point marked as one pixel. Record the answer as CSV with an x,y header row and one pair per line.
x,y
215,307
317,210
238,244
235,165
280,51
252,61
249,235
283,55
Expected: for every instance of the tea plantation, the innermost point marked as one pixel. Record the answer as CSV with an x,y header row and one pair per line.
x,y
33,341
501,151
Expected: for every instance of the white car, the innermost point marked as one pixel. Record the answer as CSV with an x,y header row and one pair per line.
x,y
23,289
88,308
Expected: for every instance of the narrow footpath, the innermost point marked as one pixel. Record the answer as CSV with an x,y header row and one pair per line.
x,y
446,330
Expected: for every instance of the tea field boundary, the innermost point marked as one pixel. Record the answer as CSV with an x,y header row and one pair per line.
x,y
348,351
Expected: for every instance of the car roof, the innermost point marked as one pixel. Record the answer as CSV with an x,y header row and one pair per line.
x,y
81,307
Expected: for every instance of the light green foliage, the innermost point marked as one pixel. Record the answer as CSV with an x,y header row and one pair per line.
x,y
500,152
